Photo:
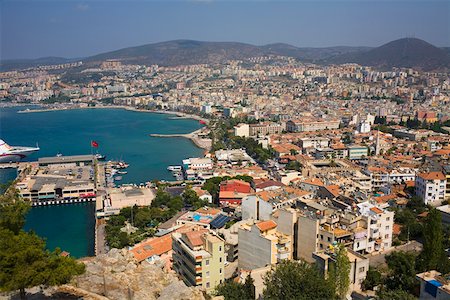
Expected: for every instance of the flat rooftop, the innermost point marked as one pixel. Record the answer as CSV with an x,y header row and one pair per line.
x,y
65,159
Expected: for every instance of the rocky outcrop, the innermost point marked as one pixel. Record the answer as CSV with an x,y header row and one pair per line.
x,y
116,275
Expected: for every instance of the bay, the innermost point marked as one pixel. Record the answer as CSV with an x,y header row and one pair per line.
x,y
121,134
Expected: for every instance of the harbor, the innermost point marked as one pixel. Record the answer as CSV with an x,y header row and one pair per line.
x,y
121,136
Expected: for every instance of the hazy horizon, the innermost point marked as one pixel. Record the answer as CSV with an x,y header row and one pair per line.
x,y
75,29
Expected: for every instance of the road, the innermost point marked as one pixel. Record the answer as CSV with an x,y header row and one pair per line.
x,y
379,259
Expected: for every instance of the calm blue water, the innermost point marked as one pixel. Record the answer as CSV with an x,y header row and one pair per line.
x,y
121,134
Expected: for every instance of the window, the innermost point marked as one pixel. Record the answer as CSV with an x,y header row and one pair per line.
x,y
387,227
207,285
329,239
388,218
220,259
386,236
220,270
321,236
220,248
207,273
362,269
207,262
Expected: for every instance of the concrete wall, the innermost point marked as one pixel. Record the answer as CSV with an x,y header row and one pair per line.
x,y
254,250
307,238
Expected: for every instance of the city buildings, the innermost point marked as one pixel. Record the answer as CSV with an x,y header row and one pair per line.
x,y
199,258
431,187
261,244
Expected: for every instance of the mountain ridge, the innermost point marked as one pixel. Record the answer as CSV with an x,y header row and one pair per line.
x,y
406,52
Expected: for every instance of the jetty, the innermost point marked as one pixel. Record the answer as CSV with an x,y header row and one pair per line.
x,y
199,141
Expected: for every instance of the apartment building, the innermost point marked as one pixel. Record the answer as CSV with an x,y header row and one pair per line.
x,y
311,125
261,244
314,142
431,187
365,231
446,170
359,265
199,258
357,152
381,177
265,129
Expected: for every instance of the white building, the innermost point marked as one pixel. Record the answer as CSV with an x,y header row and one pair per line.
x,y
431,187
242,130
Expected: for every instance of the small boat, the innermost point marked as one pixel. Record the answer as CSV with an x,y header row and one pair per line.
x,y
59,154
118,178
98,156
121,165
175,168
122,172
202,122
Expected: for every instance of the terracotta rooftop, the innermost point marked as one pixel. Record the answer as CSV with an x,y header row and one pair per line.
x,y
195,238
266,225
432,176
152,246
376,210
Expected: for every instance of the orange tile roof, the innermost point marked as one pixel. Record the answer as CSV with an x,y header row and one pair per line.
x,y
313,181
376,210
266,225
432,176
385,198
396,229
208,211
195,237
152,246
334,189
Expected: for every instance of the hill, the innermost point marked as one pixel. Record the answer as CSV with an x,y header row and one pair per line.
x,y
409,52
181,52
406,53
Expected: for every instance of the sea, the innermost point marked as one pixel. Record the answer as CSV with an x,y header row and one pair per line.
x,y
121,135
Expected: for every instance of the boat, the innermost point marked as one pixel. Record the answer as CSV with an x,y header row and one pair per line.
x,y
118,178
174,168
121,165
14,153
202,122
122,172
98,156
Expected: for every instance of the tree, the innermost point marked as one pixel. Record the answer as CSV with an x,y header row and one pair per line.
x,y
13,211
402,271
373,279
249,287
395,295
25,263
232,290
433,254
296,280
339,274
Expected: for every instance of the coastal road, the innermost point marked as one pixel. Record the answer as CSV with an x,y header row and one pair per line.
x,y
379,259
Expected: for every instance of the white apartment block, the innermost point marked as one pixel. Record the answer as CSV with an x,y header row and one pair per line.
x,y
431,187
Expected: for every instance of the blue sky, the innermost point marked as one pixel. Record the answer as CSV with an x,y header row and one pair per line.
x,y
35,28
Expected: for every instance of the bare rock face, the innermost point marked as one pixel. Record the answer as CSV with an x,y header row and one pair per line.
x,y
116,275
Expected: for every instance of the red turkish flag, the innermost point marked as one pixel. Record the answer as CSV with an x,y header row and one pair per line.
x,y
94,144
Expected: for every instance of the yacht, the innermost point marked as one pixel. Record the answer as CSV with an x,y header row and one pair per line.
x,y
14,153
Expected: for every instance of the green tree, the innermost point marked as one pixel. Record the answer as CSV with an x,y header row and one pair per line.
x,y
402,271
433,254
339,273
296,280
397,294
231,290
373,279
25,263
13,211
249,287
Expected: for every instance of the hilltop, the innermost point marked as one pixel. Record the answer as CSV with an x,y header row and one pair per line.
x,y
408,52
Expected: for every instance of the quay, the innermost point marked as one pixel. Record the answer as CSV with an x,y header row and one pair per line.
x,y
198,137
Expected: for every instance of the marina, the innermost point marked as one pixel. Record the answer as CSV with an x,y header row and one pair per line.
x,y
129,142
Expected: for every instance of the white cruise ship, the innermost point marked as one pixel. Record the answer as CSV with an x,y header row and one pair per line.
x,y
14,153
